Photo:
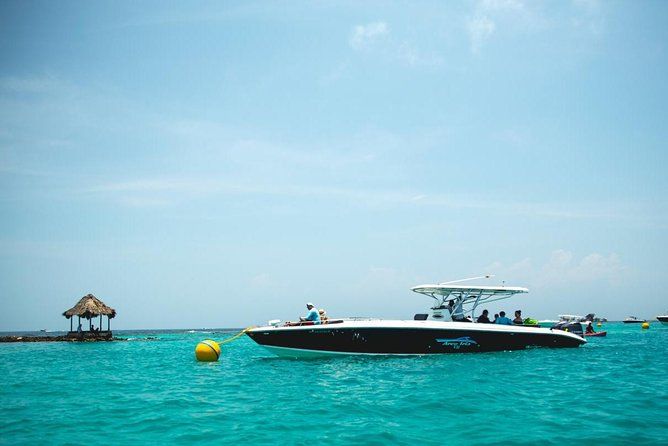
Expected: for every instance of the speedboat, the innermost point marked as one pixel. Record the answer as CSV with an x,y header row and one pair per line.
x,y
440,330
663,319
576,318
568,318
633,320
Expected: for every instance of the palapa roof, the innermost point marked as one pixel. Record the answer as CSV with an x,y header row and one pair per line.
x,y
88,307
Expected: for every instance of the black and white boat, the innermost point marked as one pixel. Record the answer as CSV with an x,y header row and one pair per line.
x,y
634,320
663,319
439,331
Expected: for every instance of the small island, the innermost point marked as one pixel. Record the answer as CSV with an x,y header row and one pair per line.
x,y
89,307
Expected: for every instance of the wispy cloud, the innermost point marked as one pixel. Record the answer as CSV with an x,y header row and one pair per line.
x,y
490,18
480,29
482,25
376,37
364,37
177,189
562,267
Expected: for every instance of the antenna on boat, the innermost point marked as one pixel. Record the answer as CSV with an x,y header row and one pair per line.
x,y
466,280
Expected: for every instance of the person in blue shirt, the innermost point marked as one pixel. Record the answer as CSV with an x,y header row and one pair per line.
x,y
312,315
502,319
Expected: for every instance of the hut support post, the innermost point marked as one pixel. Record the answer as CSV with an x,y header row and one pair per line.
x,y
71,319
100,326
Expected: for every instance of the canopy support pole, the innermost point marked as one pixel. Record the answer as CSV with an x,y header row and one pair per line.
x,y
71,323
475,305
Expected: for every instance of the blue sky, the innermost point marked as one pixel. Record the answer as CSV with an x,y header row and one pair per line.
x,y
219,164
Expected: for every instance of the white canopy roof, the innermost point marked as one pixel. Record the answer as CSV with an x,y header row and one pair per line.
x,y
469,290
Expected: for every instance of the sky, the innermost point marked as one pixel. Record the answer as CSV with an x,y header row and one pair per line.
x,y
219,164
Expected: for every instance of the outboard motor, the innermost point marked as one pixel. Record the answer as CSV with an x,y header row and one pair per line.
x,y
573,327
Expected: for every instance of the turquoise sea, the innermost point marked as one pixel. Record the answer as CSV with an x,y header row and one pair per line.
x,y
150,390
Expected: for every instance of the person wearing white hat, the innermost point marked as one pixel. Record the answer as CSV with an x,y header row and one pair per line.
x,y
312,315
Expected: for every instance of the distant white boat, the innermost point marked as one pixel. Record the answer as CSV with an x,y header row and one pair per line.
x,y
633,320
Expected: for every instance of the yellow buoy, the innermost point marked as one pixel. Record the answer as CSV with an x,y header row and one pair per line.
x,y
207,351
599,325
645,325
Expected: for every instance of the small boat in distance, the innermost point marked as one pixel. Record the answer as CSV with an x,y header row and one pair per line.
x,y
443,329
568,318
663,319
633,320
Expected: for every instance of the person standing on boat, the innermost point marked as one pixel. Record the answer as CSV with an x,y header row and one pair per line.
x,y
456,311
502,319
312,315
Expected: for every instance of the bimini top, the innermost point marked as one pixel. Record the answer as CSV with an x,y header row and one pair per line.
x,y
468,291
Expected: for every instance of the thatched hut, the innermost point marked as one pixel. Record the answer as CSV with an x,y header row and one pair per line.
x,y
90,307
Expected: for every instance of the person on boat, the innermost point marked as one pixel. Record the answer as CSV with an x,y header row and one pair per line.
x,y
502,319
518,318
312,315
496,316
457,312
589,328
484,318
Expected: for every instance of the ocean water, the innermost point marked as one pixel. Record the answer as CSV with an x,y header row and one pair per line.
x,y
152,391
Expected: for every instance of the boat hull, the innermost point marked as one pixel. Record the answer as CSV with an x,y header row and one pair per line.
x,y
398,339
662,319
598,334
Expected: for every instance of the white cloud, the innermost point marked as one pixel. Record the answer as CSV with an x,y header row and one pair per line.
x,y
483,24
490,17
376,37
364,37
563,268
480,29
592,267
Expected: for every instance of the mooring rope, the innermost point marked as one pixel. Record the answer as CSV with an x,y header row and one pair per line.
x,y
236,336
